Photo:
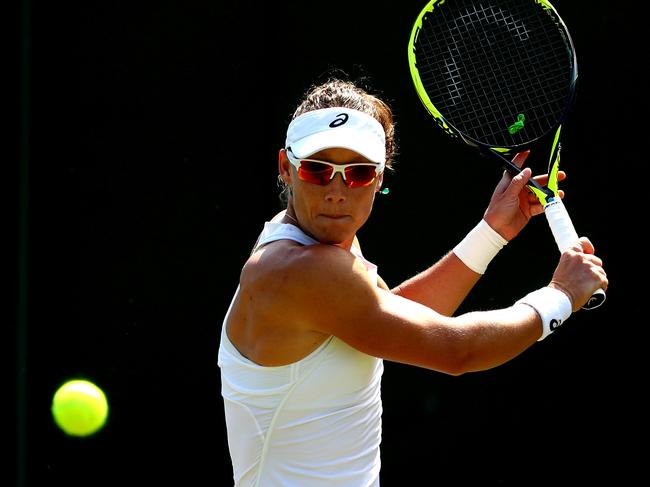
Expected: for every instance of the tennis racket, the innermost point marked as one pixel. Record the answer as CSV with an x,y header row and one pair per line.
x,y
500,76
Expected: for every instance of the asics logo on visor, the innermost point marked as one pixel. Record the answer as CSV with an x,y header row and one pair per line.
x,y
340,119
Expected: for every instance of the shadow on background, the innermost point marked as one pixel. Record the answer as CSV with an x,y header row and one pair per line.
x,y
153,137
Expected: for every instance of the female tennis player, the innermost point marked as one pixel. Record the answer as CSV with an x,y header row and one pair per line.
x,y
311,322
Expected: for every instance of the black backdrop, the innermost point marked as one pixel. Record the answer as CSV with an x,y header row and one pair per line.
x,y
154,128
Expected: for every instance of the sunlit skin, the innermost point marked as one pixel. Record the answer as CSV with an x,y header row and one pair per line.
x,y
283,313
313,318
511,215
332,214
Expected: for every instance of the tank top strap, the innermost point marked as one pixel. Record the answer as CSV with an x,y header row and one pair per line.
x,y
282,231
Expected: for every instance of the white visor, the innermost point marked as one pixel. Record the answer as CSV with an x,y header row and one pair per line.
x,y
335,127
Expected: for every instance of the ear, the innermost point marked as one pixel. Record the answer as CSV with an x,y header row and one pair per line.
x,y
284,166
380,181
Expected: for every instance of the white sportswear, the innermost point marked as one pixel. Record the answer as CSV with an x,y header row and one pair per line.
x,y
312,423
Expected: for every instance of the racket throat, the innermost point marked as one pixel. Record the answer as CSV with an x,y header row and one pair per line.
x,y
545,195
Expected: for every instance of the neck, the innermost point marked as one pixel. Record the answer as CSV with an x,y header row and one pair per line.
x,y
290,216
291,219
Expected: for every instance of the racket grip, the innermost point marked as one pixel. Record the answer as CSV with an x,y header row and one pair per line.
x,y
565,235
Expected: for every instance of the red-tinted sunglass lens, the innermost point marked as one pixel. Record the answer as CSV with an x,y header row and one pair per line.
x,y
315,172
358,176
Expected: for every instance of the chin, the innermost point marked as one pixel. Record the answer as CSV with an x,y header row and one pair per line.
x,y
335,234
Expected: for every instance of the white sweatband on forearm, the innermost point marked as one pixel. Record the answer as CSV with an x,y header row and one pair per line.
x,y
552,306
479,247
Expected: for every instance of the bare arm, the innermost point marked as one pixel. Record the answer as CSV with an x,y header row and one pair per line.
x,y
442,287
311,292
445,285
337,297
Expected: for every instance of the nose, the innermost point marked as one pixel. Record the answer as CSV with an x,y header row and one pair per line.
x,y
336,189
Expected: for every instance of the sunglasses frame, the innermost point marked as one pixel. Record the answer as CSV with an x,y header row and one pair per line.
x,y
337,168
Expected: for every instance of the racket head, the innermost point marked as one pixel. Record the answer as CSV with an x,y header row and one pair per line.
x,y
498,74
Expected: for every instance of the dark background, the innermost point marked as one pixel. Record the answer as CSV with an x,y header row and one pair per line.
x,y
150,165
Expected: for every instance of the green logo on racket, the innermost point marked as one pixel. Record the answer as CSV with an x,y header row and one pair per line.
x,y
518,125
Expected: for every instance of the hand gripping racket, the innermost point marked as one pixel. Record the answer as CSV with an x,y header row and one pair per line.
x,y
500,76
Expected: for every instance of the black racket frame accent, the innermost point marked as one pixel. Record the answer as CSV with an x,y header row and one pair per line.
x,y
483,64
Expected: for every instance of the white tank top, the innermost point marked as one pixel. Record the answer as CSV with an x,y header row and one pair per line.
x,y
312,423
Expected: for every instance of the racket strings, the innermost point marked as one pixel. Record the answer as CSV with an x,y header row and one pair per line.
x,y
484,64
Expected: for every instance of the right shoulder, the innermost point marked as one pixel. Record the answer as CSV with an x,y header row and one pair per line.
x,y
293,280
289,263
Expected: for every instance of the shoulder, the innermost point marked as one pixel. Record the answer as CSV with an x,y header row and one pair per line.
x,y
288,263
296,281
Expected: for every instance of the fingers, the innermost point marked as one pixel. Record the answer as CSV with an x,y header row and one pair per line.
x,y
519,181
584,245
542,179
580,272
604,280
534,206
520,158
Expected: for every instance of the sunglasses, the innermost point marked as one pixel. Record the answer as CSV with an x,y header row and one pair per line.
x,y
355,175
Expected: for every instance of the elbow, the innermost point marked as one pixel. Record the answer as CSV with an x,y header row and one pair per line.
x,y
455,362
456,372
457,368
471,345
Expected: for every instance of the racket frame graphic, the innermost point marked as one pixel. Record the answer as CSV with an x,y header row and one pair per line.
x,y
556,213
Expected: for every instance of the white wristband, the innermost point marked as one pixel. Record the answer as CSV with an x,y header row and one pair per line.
x,y
479,247
552,306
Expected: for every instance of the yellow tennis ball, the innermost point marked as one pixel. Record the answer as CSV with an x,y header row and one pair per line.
x,y
79,408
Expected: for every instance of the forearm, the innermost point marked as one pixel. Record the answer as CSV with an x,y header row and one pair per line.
x,y
442,287
445,285
496,336
457,345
